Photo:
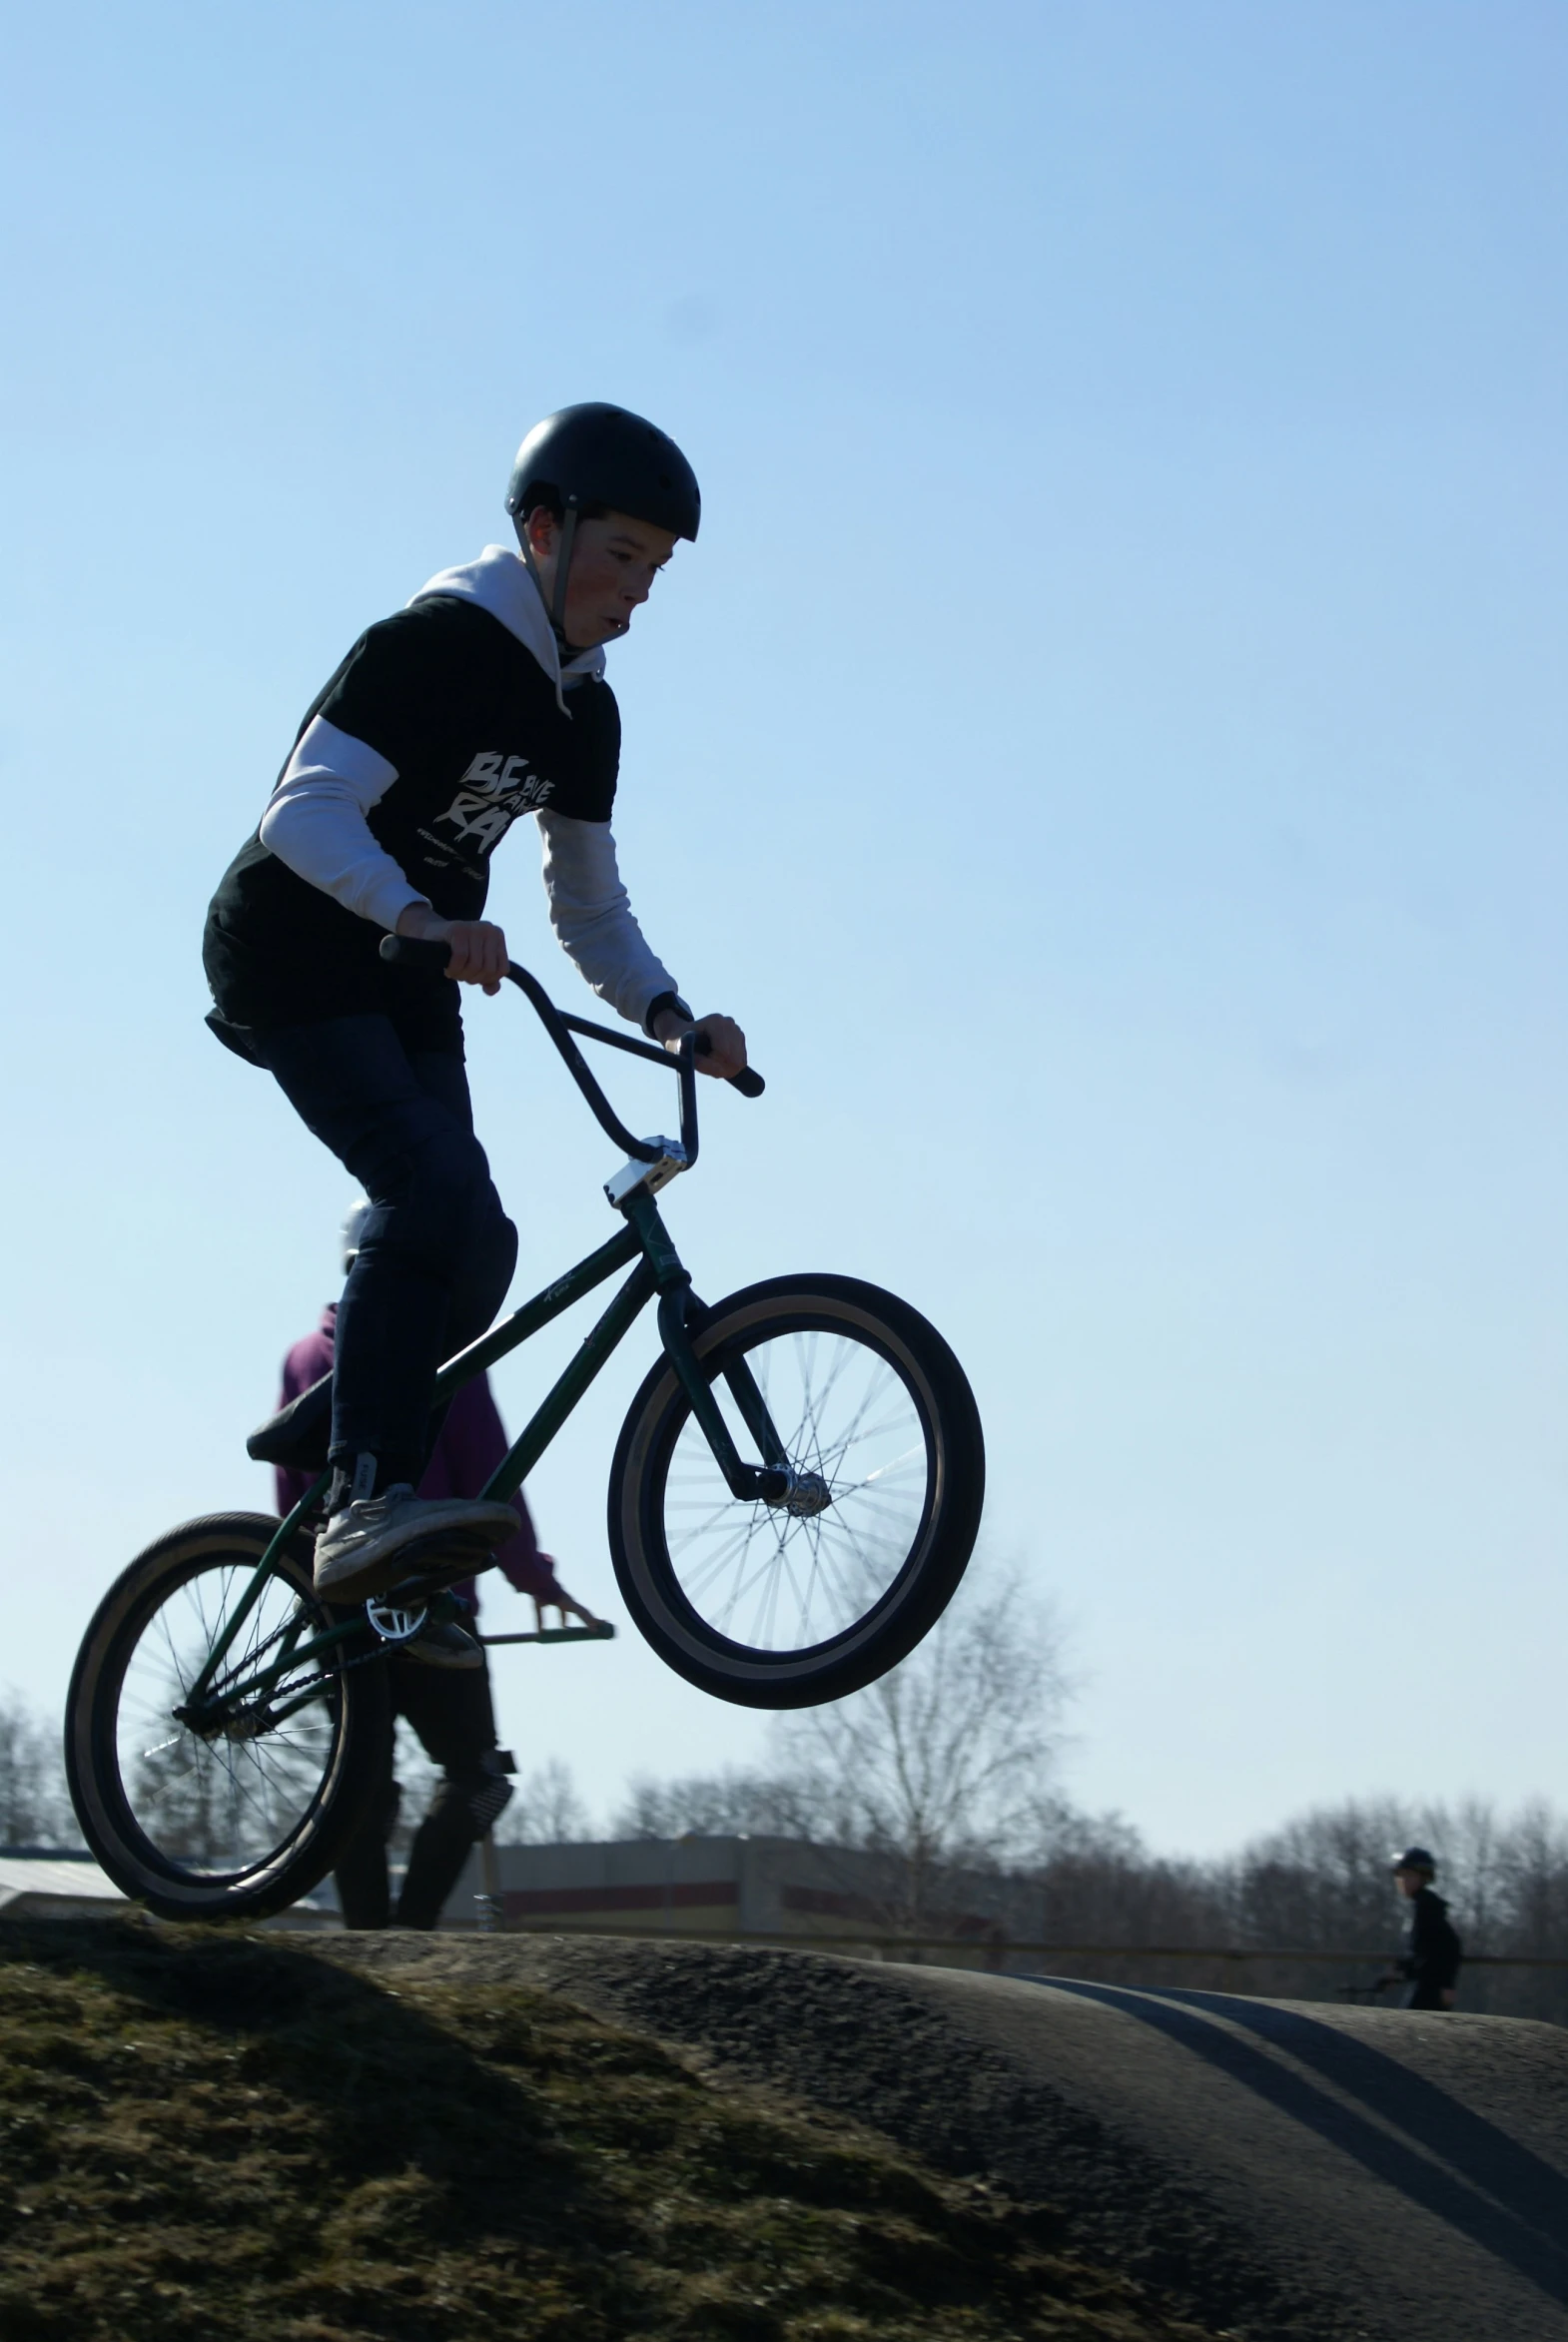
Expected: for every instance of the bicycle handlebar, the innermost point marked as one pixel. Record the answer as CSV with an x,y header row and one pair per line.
x,y
408,951
748,1081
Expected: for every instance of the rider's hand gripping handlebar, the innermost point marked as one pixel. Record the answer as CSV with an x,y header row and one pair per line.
x,y
408,951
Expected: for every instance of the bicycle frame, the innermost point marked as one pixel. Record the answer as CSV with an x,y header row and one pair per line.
x,y
658,1270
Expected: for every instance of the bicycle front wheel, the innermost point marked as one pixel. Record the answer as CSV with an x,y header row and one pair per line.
x,y
233,1802
787,1605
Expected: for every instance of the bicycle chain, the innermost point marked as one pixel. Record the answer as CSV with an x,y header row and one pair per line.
x,y
378,1650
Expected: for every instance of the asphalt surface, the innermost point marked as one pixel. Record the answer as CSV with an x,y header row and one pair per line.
x,y
1280,2171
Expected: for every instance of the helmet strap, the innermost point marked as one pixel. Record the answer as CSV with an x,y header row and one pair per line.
x,y
568,538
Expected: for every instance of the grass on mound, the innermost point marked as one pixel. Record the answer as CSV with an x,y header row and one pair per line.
x,y
220,2135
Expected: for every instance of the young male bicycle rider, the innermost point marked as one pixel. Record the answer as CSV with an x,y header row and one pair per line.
x,y
483,699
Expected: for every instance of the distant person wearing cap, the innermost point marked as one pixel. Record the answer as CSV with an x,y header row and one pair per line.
x,y
1429,1963
438,1681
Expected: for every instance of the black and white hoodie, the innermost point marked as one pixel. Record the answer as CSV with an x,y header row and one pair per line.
x,y
440,728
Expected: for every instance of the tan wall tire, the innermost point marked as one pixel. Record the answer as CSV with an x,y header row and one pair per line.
x,y
771,1610
332,1768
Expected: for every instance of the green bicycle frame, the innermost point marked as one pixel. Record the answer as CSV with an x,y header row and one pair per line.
x,y
658,1269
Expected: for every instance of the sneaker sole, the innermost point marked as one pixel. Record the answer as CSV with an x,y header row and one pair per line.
x,y
436,1577
436,1548
453,1666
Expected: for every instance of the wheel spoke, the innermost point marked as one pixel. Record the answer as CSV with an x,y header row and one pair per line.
x,y
218,1806
769,1562
708,1570
782,1580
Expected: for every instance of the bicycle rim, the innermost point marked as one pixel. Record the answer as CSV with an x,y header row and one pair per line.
x,y
858,1438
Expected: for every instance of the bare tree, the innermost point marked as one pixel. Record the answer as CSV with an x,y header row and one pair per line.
x,y
1531,1885
1322,1880
1098,1883
35,1806
945,1762
547,1809
732,1804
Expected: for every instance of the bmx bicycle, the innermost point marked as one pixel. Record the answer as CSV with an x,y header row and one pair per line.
x,y
793,1498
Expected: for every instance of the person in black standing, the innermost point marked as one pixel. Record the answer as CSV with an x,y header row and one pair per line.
x,y
1429,1963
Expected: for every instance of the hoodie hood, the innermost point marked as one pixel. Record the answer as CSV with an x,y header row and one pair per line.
x,y
503,583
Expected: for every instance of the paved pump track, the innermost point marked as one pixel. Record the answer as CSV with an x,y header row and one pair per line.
x,y
1281,2171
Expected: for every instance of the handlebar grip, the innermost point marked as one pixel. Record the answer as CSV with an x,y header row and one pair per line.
x,y
748,1082
416,950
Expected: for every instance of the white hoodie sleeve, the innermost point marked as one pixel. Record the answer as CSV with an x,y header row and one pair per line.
x,y
315,822
593,918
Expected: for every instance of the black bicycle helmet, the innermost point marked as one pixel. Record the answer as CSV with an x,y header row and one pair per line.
x,y
1416,1858
599,454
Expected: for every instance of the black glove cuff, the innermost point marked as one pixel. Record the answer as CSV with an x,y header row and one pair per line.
x,y
660,1002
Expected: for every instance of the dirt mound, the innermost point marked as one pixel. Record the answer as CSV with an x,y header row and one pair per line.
x,y
403,2138
394,2142
1283,2171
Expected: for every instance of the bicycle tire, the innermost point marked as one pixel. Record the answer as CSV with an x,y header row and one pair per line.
x,y
903,1571
129,1823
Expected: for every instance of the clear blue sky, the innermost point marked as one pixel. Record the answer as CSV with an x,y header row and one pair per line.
x,y
1107,748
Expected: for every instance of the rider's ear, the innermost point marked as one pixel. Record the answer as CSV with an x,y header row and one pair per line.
x,y
543,531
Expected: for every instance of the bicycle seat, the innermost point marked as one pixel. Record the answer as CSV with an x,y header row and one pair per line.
x,y
297,1434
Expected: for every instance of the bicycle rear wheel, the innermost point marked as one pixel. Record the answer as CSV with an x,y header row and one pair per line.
x,y
238,1807
791,1604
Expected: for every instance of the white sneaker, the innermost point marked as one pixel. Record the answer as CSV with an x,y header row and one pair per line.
x,y
378,1540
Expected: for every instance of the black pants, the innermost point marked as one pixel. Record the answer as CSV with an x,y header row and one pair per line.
x,y
451,1712
436,1253
1422,1995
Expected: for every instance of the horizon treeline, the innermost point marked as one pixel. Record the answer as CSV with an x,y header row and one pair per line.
x,y
1047,1873
1319,1884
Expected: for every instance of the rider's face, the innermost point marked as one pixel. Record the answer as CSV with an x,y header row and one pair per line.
x,y
614,561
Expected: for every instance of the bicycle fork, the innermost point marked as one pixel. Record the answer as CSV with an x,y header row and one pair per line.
x,y
774,1481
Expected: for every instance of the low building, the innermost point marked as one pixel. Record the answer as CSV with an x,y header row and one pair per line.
x,y
50,1883
58,1882
718,1889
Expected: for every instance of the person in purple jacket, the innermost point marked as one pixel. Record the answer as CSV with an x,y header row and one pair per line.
x,y
438,1681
